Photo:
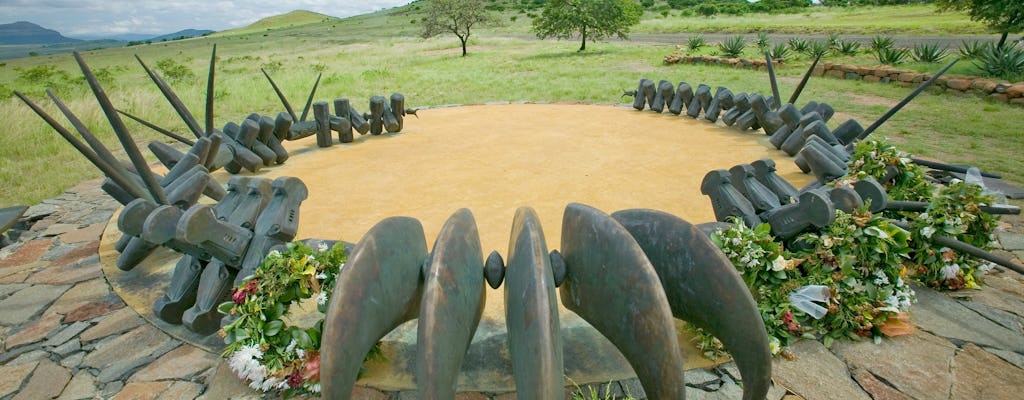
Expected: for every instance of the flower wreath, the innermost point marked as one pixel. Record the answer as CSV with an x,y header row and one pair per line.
x,y
261,348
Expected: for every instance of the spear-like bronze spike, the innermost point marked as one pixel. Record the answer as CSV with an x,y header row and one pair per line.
x,y
172,97
122,133
892,111
287,106
309,101
96,145
807,75
210,93
121,180
153,126
774,82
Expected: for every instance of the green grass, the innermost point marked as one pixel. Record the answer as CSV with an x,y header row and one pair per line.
x,y
381,54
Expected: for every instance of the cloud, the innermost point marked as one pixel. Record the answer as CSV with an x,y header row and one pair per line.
x,y
110,17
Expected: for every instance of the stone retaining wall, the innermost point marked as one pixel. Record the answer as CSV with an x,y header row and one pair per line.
x,y
959,85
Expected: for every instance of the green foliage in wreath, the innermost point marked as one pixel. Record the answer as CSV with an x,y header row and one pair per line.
x,y
261,347
872,158
954,212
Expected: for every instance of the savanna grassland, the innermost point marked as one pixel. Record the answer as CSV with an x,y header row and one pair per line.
x,y
381,53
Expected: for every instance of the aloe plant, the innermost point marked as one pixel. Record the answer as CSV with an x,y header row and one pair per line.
x,y
695,42
892,56
847,47
798,45
972,50
733,46
1003,62
817,49
779,51
929,53
882,42
762,41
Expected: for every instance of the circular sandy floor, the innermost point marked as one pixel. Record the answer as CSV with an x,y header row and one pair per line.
x,y
493,159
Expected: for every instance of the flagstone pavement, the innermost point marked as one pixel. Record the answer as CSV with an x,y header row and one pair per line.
x,y
65,334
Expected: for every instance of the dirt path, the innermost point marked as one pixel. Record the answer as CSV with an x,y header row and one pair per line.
x,y
681,38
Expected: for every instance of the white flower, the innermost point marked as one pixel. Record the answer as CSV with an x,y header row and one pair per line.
x,y
310,258
341,267
315,388
950,271
927,231
321,276
736,241
779,264
321,298
300,352
274,253
899,282
322,247
880,278
291,346
986,266
774,345
826,241
954,181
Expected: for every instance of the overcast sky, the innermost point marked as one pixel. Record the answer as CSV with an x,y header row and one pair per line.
x,y
97,18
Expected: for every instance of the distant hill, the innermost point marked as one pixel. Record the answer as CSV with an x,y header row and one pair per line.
x,y
291,19
23,32
182,34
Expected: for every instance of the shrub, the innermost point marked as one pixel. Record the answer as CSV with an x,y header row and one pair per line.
x,y
798,45
929,53
882,42
780,51
892,56
174,71
695,42
833,40
847,47
817,49
972,50
762,41
1004,62
707,9
733,46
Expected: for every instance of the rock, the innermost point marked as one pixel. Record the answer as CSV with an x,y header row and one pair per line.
x,y
983,85
981,375
1015,90
853,76
916,364
877,389
87,234
81,251
182,390
816,374
58,229
7,289
110,389
68,274
12,376
47,381
1017,100
999,97
68,347
82,386
82,293
119,321
703,379
24,304
136,344
30,357
142,391
18,273
121,368
95,309
39,211
872,78
959,84
943,316
27,253
182,363
728,390
74,360
1008,356
1011,240
224,384
34,332
1007,320
66,334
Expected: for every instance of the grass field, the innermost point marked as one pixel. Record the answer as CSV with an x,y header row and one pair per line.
x,y
381,54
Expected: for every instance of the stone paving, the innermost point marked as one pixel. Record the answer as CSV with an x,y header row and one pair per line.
x,y
64,334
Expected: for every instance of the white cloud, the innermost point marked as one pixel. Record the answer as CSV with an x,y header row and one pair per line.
x,y
97,18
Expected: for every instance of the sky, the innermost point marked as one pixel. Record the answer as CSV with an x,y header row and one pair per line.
x,y
101,18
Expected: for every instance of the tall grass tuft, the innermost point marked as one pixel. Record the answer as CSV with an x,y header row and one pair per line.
x,y
892,56
798,45
929,53
733,47
882,42
847,47
1003,62
762,42
779,51
695,42
972,50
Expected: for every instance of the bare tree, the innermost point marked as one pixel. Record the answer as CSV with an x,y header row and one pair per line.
x,y
457,17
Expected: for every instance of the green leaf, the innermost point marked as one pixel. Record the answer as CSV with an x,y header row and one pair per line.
x,y
302,339
225,307
273,327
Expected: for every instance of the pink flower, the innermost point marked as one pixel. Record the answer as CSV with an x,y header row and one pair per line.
x,y
238,296
312,370
295,379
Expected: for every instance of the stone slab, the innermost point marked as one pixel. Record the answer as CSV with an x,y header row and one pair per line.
x,y
142,391
136,344
27,253
34,332
876,388
82,386
82,293
943,316
916,364
7,289
47,382
58,229
181,363
81,235
82,250
119,321
12,376
816,374
1011,241
1008,356
24,304
19,273
182,390
982,375
68,274
66,333
95,309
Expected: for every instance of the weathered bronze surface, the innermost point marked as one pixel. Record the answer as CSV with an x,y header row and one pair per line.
x,y
704,288
378,290
612,285
726,200
451,307
531,312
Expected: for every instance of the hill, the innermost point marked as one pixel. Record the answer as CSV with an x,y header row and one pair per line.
x,y
24,32
182,34
291,19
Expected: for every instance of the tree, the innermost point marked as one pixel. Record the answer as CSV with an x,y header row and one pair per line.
x,y
1003,16
588,18
455,16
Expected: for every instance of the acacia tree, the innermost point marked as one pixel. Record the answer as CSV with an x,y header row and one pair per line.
x,y
455,16
596,19
1003,16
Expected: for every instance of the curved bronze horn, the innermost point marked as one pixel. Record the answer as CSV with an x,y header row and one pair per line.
x,y
703,288
611,284
452,304
531,312
378,290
